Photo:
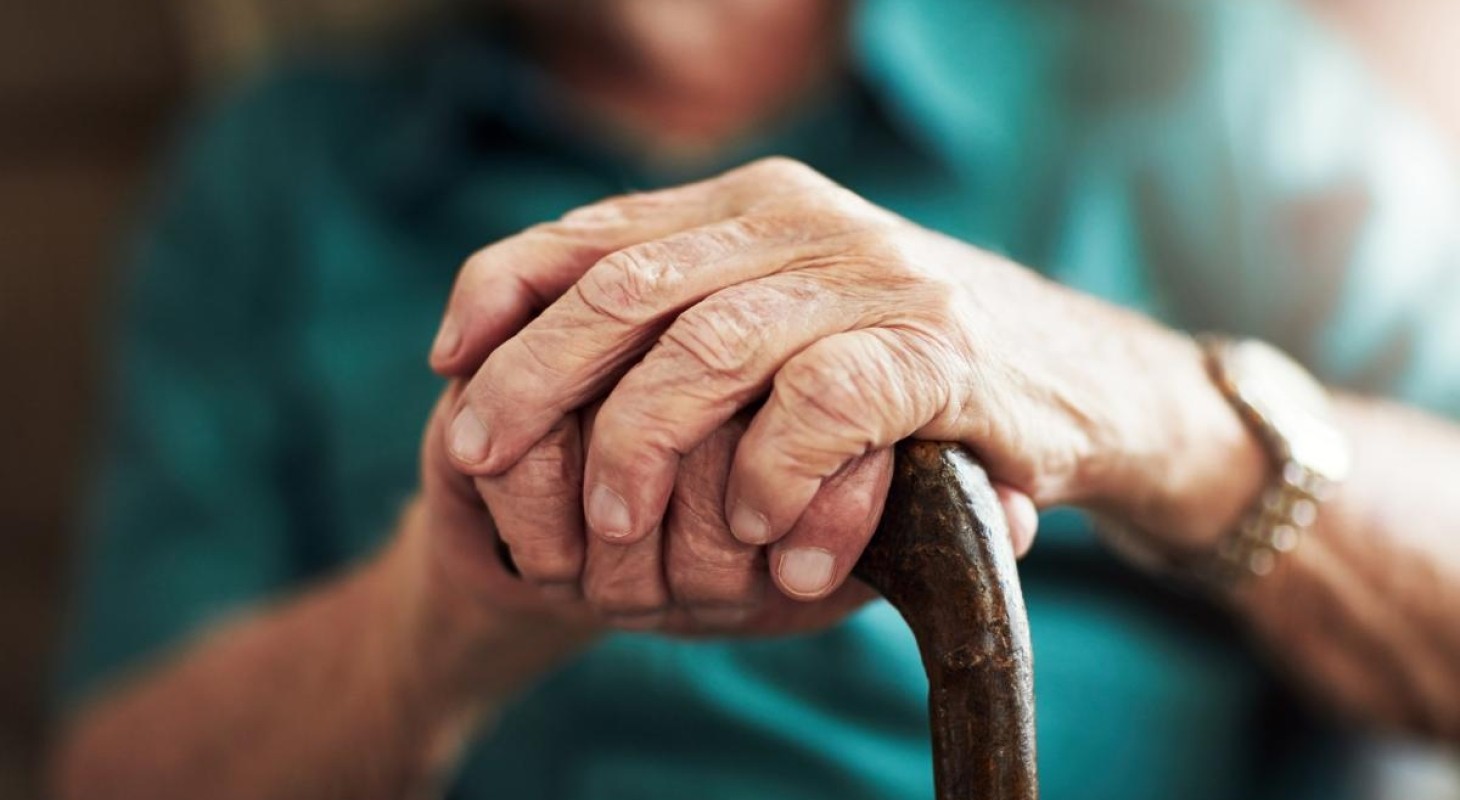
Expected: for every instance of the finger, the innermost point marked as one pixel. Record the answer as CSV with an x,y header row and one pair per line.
x,y
816,556
845,396
713,360
538,508
502,286
625,583
1021,516
460,518
719,580
580,345
441,482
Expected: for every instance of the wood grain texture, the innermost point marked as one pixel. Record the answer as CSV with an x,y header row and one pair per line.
x,y
942,557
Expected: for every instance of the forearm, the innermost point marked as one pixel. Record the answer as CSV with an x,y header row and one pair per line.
x,y
363,687
1367,610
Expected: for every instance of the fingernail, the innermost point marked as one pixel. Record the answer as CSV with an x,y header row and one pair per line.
x,y
719,616
468,438
560,592
448,340
748,525
806,571
608,514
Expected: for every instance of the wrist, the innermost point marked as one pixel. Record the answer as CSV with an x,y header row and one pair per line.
x,y
455,654
1196,467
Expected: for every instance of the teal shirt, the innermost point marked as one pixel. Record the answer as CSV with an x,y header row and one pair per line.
x,y
1218,165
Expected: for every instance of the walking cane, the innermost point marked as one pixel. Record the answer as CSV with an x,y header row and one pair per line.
x,y
942,557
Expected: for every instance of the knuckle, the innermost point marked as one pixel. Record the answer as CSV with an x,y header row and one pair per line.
x,y
839,203
515,372
704,564
702,584
825,393
478,263
631,441
720,337
533,359
622,592
548,470
785,170
543,565
625,285
895,262
942,304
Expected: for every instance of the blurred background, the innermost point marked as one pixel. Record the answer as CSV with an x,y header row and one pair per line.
x,y
87,91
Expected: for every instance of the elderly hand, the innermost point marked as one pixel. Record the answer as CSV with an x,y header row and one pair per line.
x,y
856,327
715,583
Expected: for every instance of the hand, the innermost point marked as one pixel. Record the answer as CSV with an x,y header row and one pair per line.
x,y
701,579
777,259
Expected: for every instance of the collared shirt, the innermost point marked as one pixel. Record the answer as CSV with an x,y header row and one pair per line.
x,y
1220,166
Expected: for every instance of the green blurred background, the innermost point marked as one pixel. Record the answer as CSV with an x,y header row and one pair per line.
x,y
86,93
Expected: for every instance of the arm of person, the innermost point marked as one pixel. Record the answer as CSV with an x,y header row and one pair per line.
x,y
1350,261
365,686
858,329
1364,612
195,666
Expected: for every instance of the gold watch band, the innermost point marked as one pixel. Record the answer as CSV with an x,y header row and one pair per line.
x,y
1288,507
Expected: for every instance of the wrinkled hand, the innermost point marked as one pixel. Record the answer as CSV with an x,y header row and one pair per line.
x,y
712,582
685,307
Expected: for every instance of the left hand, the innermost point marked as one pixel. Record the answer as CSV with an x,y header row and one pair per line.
x,y
858,327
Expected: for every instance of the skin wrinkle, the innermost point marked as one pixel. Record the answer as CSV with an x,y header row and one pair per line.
x,y
819,396
724,337
740,304
794,462
1047,484
539,517
654,390
568,242
748,319
613,581
622,286
515,435
716,569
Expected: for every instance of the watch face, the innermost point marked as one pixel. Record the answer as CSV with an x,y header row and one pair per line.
x,y
1290,402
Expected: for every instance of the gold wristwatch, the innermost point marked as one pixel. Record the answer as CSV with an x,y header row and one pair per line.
x,y
1291,412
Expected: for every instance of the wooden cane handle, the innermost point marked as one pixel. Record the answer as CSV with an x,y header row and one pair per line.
x,y
942,557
